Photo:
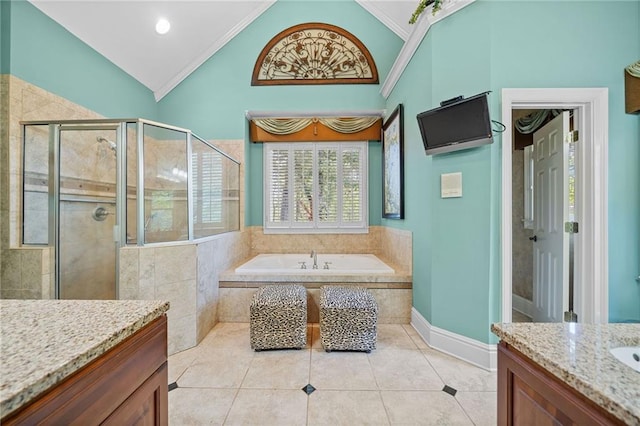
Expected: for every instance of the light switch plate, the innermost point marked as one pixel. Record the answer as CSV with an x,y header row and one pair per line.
x,y
451,185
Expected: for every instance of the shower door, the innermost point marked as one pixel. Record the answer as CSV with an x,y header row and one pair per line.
x,y
85,206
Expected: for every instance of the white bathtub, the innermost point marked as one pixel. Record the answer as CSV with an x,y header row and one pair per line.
x,y
339,264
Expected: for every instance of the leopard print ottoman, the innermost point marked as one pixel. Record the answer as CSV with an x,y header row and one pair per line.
x,y
278,317
348,318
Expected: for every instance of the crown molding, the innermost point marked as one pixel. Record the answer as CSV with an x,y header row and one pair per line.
x,y
381,16
202,58
420,30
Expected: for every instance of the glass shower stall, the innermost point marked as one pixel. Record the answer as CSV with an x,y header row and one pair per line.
x,y
91,187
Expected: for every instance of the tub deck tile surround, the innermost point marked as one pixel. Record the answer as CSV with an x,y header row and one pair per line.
x,y
578,355
44,341
393,292
401,278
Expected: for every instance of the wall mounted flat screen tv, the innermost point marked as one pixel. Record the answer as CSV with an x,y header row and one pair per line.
x,y
460,124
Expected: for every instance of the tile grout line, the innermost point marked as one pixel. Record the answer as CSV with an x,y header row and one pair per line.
x,y
435,370
184,371
235,397
464,411
415,348
386,410
309,375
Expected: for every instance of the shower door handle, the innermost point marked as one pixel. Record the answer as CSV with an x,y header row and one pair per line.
x,y
534,238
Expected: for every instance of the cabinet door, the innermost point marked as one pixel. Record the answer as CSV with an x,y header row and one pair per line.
x,y
147,405
530,395
531,408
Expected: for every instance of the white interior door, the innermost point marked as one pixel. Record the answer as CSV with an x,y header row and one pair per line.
x,y
551,243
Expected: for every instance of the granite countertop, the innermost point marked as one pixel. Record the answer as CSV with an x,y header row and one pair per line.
x,y
44,341
578,354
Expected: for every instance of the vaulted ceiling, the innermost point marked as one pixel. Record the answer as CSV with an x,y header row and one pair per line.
x,y
123,31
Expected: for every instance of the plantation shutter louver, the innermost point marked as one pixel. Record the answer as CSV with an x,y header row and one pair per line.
x,y
328,184
278,206
352,185
303,185
208,182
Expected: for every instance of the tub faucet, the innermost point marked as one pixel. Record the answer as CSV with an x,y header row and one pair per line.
x,y
314,254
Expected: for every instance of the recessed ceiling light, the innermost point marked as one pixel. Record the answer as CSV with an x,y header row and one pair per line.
x,y
162,26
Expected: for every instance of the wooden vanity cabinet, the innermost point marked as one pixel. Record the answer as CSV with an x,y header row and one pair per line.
x,y
125,386
529,395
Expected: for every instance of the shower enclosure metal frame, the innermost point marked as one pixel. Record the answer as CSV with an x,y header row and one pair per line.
x,y
55,193
120,126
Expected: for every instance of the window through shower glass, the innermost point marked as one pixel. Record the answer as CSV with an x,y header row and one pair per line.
x,y
215,190
165,185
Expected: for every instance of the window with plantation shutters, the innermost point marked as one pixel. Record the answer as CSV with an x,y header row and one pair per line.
x,y
315,187
207,188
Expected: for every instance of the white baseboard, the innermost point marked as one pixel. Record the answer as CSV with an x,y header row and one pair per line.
x,y
477,353
522,305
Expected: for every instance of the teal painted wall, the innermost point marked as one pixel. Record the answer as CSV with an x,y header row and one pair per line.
x,y
212,101
491,46
612,29
5,36
486,46
45,54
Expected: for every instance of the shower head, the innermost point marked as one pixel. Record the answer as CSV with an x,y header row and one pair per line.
x,y
111,144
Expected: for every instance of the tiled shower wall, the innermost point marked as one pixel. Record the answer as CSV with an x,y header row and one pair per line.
x,y
4,165
25,272
88,258
186,276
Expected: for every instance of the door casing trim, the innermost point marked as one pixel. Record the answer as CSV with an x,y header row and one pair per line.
x,y
591,107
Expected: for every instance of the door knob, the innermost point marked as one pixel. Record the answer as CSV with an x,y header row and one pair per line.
x,y
534,238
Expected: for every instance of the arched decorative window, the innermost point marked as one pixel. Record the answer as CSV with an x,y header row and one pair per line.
x,y
314,53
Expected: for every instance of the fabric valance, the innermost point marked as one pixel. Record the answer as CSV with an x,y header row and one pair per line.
x,y
634,69
532,122
286,126
315,129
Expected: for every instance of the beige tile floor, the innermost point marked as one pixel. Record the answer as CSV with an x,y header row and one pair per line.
x,y
222,381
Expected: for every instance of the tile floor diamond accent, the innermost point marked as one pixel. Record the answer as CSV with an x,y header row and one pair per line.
x,y
308,389
448,389
173,386
223,381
